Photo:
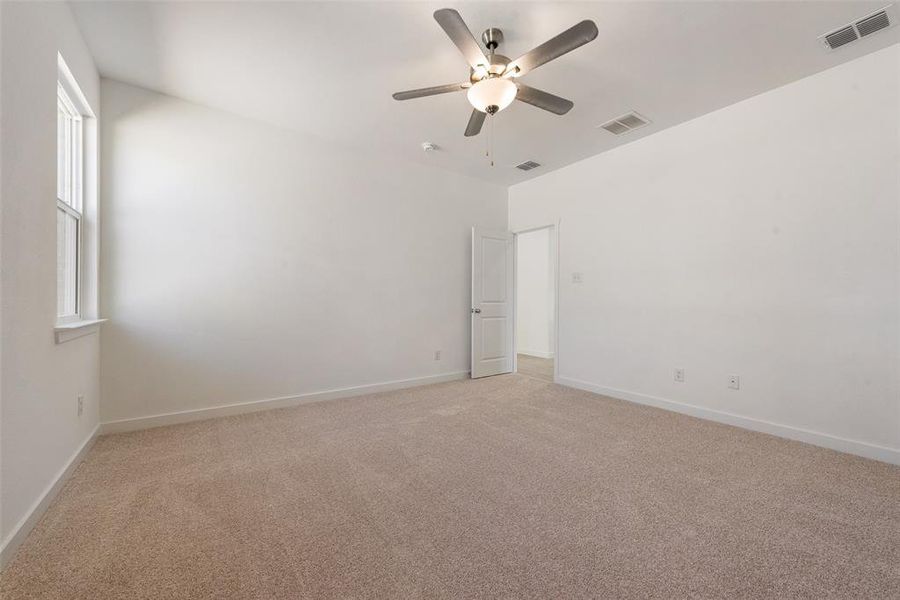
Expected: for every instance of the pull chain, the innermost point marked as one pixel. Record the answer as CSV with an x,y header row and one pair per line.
x,y
492,141
489,140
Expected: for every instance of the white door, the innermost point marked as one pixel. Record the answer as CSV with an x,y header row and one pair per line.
x,y
493,279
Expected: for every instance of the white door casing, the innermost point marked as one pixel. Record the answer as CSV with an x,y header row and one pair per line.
x,y
493,295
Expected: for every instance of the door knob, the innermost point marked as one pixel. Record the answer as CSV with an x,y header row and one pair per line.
x,y
476,310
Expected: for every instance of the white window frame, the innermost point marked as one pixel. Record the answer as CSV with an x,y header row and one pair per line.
x,y
73,192
78,201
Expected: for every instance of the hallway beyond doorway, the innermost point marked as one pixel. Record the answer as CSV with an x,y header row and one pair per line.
x,y
532,366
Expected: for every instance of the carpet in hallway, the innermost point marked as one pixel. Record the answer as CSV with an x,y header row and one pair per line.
x,y
533,366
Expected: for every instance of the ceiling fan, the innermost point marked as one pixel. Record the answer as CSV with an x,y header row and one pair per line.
x,y
491,85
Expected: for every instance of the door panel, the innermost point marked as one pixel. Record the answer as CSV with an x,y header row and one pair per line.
x,y
493,337
493,264
493,268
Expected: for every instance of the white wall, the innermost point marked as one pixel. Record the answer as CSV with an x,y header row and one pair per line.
x,y
534,293
242,262
39,427
759,240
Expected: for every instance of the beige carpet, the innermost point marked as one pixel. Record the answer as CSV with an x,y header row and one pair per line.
x,y
507,487
532,366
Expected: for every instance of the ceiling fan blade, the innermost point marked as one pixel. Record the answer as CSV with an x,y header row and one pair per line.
x,y
431,91
567,41
542,99
475,123
454,26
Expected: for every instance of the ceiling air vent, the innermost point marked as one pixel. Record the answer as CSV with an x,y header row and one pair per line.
x,y
873,23
841,37
882,19
528,165
625,123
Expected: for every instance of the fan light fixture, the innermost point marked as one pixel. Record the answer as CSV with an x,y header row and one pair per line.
x,y
492,94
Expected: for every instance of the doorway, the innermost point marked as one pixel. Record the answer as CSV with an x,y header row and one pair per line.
x,y
535,303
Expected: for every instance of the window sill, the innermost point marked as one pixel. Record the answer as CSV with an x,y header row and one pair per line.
x,y
76,329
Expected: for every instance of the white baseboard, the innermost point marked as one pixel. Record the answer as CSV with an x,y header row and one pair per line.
x,y
200,414
26,524
864,449
535,353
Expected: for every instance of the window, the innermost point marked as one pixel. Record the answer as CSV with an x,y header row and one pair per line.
x,y
69,190
76,210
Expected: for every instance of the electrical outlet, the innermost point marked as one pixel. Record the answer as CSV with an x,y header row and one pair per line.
x,y
79,404
734,382
577,277
437,355
679,375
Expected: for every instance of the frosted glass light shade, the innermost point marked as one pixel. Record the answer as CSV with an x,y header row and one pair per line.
x,y
492,92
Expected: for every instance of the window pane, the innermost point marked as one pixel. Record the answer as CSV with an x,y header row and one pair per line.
x,y
60,155
66,264
63,154
68,192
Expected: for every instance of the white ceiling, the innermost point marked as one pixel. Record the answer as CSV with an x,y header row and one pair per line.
x,y
328,69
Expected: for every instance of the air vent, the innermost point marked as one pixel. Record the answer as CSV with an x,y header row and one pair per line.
x,y
528,165
841,37
625,123
882,19
873,23
615,127
632,121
